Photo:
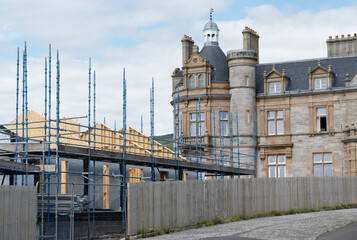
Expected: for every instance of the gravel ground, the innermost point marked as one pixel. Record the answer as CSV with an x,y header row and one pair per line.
x,y
297,226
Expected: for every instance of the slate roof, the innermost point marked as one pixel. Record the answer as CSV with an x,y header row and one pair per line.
x,y
216,57
297,71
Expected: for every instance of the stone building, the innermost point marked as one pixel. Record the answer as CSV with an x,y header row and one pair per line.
x,y
295,118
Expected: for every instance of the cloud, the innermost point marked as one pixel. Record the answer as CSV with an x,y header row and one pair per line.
x,y
289,36
144,37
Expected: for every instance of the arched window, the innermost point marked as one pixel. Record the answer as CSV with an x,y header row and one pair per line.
x,y
201,81
191,82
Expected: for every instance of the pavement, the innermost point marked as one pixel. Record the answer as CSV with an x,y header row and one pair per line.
x,y
297,226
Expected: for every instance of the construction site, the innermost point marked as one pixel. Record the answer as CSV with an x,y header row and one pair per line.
x,y
82,171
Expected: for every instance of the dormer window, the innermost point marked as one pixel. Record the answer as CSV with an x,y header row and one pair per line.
x,y
320,83
320,77
275,82
191,82
274,87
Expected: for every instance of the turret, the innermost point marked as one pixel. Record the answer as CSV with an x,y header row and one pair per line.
x,y
241,65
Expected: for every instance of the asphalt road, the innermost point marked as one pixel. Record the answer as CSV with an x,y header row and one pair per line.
x,y
297,226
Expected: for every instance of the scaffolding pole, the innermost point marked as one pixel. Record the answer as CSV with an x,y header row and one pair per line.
x,y
238,143
94,127
26,111
255,159
124,150
17,107
200,132
221,140
179,135
58,167
231,138
214,138
152,118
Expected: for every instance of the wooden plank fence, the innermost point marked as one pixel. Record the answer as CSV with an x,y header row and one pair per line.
x,y
18,209
155,205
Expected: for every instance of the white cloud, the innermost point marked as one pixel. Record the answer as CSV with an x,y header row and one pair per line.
x,y
144,37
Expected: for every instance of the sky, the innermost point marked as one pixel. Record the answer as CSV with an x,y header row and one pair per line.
x,y
144,37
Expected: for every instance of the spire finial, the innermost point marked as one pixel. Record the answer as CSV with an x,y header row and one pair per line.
x,y
210,14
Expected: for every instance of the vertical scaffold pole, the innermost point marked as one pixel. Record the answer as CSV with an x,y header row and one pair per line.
x,y
231,139
200,132
58,166
152,118
94,126
124,150
49,133
87,180
44,156
255,160
189,132
178,135
23,112
49,103
214,138
221,140
178,162
196,129
17,106
45,105
175,130
238,143
141,129
26,112
45,137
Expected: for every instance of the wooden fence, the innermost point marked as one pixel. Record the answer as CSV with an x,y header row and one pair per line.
x,y
18,209
182,203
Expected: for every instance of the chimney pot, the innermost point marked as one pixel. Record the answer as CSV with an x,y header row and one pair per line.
x,y
355,34
348,35
329,37
336,37
342,36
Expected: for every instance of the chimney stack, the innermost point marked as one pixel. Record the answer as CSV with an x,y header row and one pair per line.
x,y
187,44
343,46
251,40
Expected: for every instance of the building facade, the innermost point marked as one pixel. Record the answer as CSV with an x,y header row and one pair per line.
x,y
292,119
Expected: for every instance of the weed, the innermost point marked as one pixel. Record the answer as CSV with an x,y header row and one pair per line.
x,y
207,223
217,221
167,230
276,213
180,229
291,211
235,219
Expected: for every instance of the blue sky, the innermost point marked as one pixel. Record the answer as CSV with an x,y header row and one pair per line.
x,y
144,36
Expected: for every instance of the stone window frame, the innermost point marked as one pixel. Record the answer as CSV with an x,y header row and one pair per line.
x,y
269,83
204,80
275,119
197,122
322,163
247,80
276,164
329,119
189,81
224,121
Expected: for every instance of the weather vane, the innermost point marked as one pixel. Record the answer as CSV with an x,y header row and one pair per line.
x,y
210,14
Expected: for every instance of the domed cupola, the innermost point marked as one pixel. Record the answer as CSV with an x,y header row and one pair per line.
x,y
210,32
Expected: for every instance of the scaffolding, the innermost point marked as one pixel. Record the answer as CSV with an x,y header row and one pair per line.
x,y
37,150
